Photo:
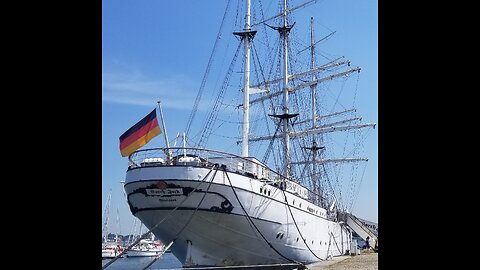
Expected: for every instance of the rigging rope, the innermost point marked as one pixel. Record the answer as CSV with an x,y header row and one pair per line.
x,y
263,78
207,130
188,222
270,145
251,221
207,71
329,183
106,215
358,190
156,225
333,236
296,226
159,255
356,90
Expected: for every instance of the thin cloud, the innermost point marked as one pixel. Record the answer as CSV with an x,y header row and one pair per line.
x,y
134,88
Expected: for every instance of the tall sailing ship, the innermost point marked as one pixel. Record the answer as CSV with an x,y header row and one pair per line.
x,y
278,201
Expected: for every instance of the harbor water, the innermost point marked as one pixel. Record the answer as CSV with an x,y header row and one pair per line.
x,y
167,261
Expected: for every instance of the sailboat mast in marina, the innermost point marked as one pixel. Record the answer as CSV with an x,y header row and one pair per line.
x,y
279,199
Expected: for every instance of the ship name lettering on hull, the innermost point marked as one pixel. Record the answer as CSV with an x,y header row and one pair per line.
x,y
164,192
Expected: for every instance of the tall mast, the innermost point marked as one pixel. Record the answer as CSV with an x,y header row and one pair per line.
x,y
118,228
246,80
315,182
283,31
106,216
286,138
314,77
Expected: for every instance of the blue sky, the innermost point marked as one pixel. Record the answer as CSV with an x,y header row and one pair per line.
x,y
158,50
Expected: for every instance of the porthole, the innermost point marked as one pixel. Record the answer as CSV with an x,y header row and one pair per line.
x,y
260,190
278,235
269,193
297,239
281,236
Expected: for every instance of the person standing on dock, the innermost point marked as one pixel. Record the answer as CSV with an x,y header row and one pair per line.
x,y
367,242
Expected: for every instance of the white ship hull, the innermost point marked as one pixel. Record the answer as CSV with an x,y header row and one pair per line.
x,y
218,232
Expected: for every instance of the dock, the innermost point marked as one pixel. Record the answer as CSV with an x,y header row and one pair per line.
x,y
365,261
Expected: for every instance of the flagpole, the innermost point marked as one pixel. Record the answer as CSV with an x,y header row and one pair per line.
x,y
169,152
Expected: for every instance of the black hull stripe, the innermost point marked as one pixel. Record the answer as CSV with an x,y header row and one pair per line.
x,y
282,202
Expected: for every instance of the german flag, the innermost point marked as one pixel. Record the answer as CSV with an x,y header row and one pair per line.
x,y
140,134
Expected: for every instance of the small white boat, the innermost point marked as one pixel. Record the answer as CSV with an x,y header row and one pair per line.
x,y
146,248
110,250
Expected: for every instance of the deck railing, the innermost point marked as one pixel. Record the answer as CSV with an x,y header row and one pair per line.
x,y
200,157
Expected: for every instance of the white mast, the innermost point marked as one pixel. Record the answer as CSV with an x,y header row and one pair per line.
x,y
315,182
283,31
246,80
118,228
286,137
314,86
132,231
106,216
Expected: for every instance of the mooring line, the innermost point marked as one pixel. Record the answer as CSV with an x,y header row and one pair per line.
x,y
335,241
159,255
188,222
296,226
165,218
251,221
